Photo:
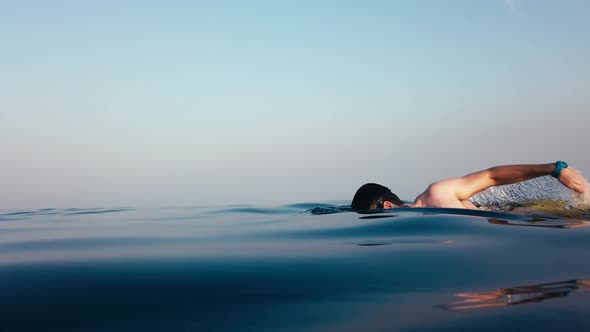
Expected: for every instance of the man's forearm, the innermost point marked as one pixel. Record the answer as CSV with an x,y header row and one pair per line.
x,y
516,173
471,184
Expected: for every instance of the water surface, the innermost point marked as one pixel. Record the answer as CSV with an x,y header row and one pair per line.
x,y
301,267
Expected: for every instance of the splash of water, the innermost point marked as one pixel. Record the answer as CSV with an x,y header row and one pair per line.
x,y
582,201
543,188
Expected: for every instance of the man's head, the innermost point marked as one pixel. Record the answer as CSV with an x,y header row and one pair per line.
x,y
372,196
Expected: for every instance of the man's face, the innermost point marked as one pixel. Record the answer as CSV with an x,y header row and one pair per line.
x,y
389,205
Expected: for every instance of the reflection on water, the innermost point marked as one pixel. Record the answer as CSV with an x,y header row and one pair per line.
x,y
517,295
300,267
537,221
378,216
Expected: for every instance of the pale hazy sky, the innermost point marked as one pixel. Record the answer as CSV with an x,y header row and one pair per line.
x,y
158,103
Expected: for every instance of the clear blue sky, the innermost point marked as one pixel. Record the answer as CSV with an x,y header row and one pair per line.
x,y
132,103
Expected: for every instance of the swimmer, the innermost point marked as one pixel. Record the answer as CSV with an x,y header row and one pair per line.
x,y
455,192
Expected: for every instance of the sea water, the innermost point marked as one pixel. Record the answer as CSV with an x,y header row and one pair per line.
x,y
298,267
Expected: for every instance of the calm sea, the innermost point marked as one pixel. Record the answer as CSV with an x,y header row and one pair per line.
x,y
301,267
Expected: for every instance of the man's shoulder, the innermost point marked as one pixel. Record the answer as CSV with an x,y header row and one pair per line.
x,y
440,194
443,186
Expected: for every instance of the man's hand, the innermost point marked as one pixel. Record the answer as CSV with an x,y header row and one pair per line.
x,y
572,179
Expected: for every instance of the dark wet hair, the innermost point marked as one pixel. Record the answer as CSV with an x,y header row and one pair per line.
x,y
371,196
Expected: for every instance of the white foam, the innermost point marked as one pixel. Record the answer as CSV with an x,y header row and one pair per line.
x,y
581,200
545,187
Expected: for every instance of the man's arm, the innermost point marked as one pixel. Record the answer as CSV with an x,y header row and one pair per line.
x,y
455,192
474,183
